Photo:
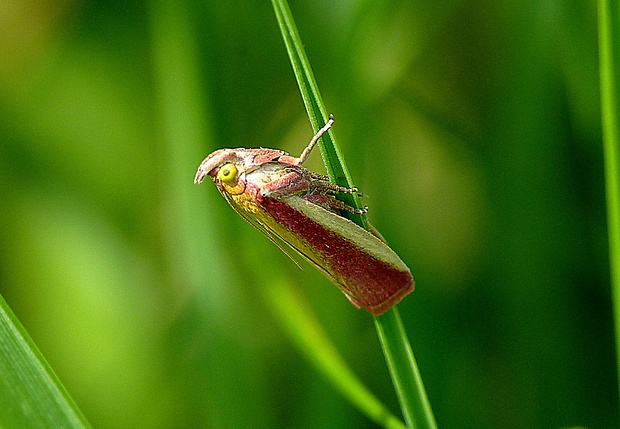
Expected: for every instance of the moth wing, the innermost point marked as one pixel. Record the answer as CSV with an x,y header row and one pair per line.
x,y
366,269
373,242
264,228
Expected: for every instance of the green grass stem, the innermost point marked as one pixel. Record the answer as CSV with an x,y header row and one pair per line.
x,y
609,57
404,370
330,151
399,356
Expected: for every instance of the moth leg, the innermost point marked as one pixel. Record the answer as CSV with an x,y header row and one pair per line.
x,y
318,176
322,184
330,203
335,188
339,205
315,139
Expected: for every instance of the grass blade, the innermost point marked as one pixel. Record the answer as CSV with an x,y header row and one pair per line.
x,y
330,151
398,353
30,394
404,370
307,334
609,57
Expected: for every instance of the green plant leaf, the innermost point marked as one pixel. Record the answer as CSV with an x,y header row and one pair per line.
x,y
31,396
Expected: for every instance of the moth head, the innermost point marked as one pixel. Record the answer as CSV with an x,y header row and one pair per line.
x,y
211,165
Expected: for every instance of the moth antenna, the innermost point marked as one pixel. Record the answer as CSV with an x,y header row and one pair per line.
x,y
315,139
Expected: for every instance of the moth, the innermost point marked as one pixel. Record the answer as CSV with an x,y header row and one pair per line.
x,y
290,204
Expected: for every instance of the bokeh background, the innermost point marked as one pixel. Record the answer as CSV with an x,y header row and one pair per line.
x,y
472,126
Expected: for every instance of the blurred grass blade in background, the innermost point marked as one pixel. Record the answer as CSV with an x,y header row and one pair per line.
x,y
30,394
401,362
307,334
185,129
609,69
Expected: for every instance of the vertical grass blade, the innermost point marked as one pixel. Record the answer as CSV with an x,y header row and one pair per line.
x,y
609,67
404,371
330,151
30,394
399,356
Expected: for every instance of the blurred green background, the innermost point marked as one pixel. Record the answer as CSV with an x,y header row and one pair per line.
x,y
472,126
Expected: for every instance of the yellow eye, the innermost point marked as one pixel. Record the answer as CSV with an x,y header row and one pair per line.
x,y
228,174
